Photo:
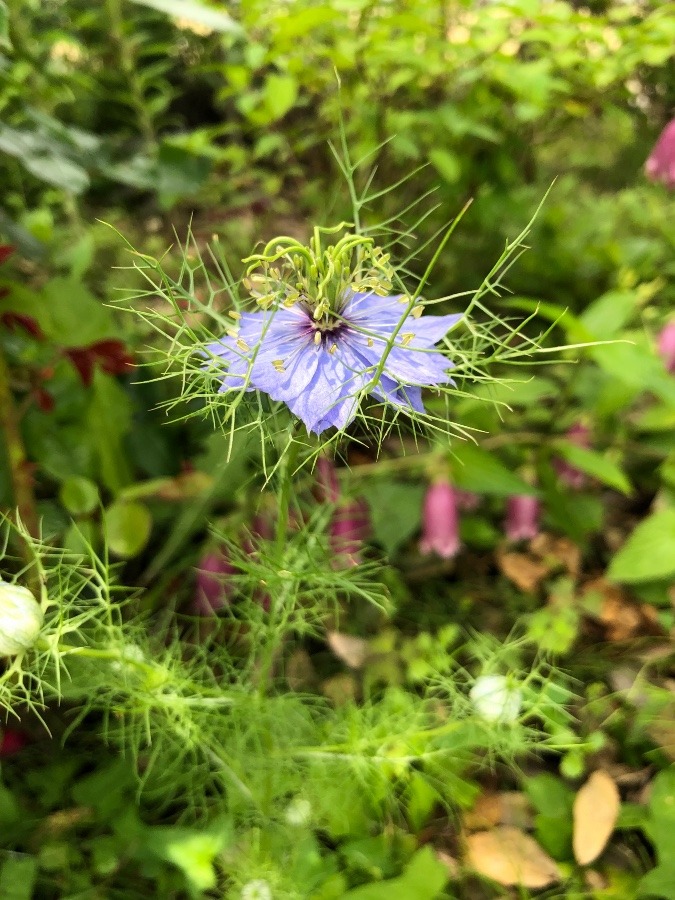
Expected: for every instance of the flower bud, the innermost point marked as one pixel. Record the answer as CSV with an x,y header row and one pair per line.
x,y
495,699
20,619
522,518
440,521
661,163
666,346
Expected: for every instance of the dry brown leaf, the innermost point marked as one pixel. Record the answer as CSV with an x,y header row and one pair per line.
x,y
353,651
560,550
505,808
511,857
621,617
596,809
525,572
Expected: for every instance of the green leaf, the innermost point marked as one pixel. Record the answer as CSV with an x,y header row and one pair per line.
x,y
79,495
447,165
195,12
4,26
109,420
17,878
649,552
475,469
660,882
607,315
71,316
395,511
127,527
280,94
662,815
193,852
595,464
423,878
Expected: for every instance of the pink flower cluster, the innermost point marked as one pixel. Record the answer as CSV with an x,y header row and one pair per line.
x,y
661,163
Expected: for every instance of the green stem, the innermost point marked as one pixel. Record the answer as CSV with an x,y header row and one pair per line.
x,y
287,471
16,454
128,66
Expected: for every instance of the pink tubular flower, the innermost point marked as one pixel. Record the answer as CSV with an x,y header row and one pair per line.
x,y
522,518
349,529
211,591
440,521
666,346
327,483
580,435
661,163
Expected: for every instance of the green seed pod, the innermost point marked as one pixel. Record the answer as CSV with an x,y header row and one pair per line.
x,y
20,619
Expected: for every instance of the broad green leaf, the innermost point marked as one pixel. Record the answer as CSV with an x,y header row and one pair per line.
x,y
606,316
193,851
4,26
474,469
191,10
649,552
447,165
636,364
127,527
423,878
594,464
395,511
662,815
17,877
79,495
109,420
280,93
71,316
659,883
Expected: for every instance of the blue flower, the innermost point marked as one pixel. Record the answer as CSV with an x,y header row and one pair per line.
x,y
321,369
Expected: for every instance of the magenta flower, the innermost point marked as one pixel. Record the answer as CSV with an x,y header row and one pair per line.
x,y
522,518
320,369
574,478
212,592
349,529
667,346
661,163
440,521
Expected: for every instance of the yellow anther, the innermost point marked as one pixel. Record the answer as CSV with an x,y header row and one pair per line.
x,y
243,345
371,342
232,332
233,314
278,365
417,311
406,338
333,349
317,338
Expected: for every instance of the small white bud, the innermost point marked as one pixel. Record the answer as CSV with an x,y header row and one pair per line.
x,y
258,889
20,619
299,812
495,699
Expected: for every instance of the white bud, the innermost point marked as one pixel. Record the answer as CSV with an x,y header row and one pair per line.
x,y
298,812
258,889
20,619
495,699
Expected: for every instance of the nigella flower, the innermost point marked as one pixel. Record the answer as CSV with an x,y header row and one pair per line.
x,y
321,366
661,163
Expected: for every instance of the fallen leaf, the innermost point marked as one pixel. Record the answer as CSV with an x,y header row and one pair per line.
x,y
526,573
511,857
560,551
621,617
505,808
596,809
353,651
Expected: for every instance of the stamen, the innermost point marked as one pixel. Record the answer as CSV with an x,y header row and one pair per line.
x,y
233,314
371,342
417,311
232,332
278,365
407,337
333,349
317,337
243,345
